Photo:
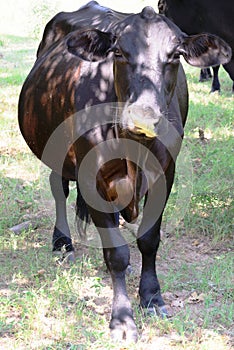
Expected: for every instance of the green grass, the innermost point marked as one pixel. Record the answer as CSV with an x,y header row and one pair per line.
x,y
211,205
49,305
213,163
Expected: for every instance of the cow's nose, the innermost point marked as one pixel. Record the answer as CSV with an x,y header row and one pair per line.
x,y
148,113
141,120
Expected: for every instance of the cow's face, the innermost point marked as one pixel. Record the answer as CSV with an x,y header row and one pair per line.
x,y
145,69
146,50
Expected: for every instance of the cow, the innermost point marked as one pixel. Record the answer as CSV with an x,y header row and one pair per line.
x,y
196,16
105,105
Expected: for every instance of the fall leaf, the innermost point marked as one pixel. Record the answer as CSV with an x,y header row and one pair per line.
x,y
195,298
177,303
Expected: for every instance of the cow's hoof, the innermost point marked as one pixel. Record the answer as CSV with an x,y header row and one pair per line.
x,y
123,331
213,91
124,336
69,257
61,257
159,311
57,254
162,311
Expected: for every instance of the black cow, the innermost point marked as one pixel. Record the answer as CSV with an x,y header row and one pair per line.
x,y
124,148
196,16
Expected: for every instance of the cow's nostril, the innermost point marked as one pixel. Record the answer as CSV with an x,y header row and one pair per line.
x,y
150,116
148,112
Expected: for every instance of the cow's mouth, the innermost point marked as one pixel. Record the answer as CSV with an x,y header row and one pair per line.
x,y
144,129
141,121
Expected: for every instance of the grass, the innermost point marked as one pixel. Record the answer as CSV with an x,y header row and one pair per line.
x,y
49,305
213,164
211,159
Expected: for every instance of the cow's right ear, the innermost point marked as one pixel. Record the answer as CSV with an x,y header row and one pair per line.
x,y
205,50
90,45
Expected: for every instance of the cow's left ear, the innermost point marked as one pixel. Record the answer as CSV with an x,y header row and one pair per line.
x,y
90,45
205,50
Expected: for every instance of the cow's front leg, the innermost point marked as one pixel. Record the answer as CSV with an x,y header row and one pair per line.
x,y
150,294
148,243
117,257
122,325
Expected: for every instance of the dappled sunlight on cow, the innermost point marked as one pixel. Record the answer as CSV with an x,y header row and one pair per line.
x,y
105,105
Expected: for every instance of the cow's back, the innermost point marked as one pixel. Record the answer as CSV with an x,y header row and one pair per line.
x,y
195,16
91,15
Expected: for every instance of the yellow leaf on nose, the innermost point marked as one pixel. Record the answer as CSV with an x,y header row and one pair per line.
x,y
145,129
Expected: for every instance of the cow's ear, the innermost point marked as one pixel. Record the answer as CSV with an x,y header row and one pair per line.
x,y
205,50
90,45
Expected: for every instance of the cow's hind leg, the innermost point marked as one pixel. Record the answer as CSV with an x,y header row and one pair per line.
x,y
61,236
205,74
215,82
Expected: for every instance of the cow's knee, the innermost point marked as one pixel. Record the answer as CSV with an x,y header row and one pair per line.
x,y
148,243
117,259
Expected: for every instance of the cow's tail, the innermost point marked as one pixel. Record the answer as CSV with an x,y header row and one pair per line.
x,y
82,213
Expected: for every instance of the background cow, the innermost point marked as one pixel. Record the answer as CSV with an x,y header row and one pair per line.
x,y
196,16
128,151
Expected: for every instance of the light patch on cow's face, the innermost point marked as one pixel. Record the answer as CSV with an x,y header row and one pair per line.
x,y
146,66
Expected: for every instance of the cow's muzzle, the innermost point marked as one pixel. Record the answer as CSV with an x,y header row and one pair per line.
x,y
142,120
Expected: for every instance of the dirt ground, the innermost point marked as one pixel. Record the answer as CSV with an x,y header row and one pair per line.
x,y
189,256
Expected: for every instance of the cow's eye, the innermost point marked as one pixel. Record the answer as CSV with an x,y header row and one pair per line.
x,y
174,57
117,52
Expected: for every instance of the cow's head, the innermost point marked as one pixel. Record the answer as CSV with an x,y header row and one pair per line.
x,y
146,49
